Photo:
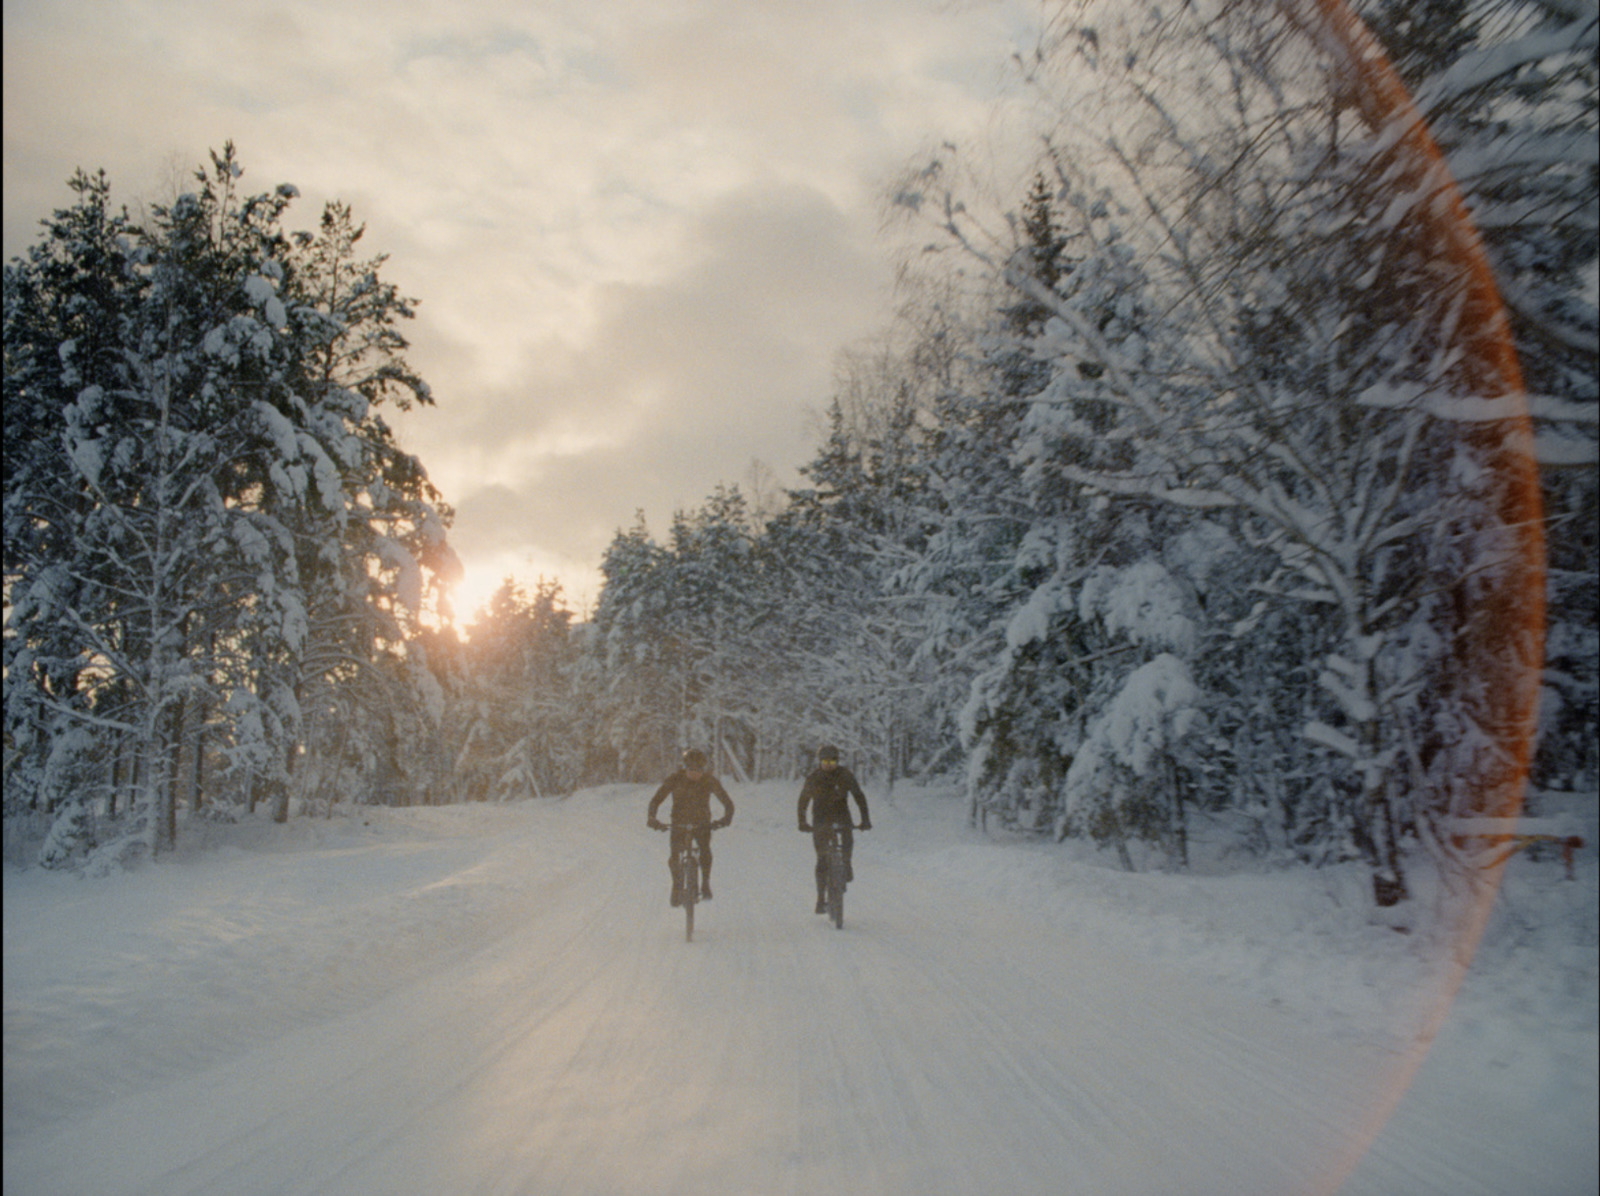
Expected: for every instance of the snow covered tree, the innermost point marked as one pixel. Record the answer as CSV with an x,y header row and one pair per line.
x,y
840,545
710,587
1255,326
1510,94
204,507
1027,710
74,292
760,643
634,657
149,451
364,527
683,641
519,724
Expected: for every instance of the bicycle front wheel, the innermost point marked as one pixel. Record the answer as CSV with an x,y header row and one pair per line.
x,y
836,890
691,892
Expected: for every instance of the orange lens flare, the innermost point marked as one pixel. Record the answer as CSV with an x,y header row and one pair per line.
x,y
1517,626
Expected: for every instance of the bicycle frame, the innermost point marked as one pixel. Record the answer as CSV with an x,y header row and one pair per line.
x,y
833,872
686,869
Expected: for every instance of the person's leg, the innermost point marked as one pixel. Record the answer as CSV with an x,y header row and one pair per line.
x,y
704,836
819,840
675,843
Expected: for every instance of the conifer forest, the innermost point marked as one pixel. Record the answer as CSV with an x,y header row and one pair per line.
x,y
1236,474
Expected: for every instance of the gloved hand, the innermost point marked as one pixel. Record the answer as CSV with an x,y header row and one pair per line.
x,y
866,824
720,823
805,826
655,824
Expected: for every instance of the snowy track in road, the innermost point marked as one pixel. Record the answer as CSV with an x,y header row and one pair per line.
x,y
559,1037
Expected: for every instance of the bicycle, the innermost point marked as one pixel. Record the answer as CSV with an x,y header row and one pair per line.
x,y
833,872
686,868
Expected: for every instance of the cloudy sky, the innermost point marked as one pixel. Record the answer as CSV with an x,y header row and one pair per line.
x,y
641,230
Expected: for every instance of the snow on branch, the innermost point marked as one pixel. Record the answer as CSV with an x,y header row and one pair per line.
x,y
408,585
1321,733
1196,498
1475,409
1355,704
1477,70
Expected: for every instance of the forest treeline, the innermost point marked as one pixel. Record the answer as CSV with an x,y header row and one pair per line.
x,y
1194,481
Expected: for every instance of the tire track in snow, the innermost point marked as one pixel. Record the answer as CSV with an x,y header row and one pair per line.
x,y
936,1045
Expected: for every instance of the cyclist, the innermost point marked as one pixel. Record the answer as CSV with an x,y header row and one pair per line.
x,y
691,789
826,795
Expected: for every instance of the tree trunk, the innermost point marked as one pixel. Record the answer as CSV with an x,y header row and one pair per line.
x,y
1388,874
156,784
1180,814
184,751
1388,877
198,780
284,784
1121,840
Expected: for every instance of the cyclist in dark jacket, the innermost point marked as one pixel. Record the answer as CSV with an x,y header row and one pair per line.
x,y
691,789
826,796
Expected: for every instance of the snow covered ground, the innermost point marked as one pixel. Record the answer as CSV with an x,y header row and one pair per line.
x,y
498,999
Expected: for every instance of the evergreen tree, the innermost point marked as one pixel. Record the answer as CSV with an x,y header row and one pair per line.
x,y
518,724
76,291
1221,346
214,531
637,664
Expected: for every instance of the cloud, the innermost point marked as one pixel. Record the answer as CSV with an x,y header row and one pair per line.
x,y
681,384
639,231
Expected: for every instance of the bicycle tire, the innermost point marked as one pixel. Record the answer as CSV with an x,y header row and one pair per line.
x,y
836,884
690,871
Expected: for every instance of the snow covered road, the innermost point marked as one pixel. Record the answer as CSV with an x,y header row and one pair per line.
x,y
500,1000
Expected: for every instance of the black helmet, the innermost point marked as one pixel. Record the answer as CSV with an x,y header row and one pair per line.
x,y
828,752
694,758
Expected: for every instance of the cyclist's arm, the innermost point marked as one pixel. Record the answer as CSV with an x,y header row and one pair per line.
x,y
722,796
805,800
655,802
861,800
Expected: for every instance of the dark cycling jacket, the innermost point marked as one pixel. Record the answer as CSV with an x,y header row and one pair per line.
x,y
828,795
691,799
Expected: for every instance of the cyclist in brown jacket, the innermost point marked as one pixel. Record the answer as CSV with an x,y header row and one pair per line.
x,y
691,789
